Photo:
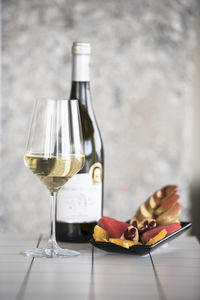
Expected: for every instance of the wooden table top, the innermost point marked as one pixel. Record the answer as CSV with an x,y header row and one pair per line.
x,y
170,272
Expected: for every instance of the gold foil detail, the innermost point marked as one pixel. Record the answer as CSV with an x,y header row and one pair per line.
x,y
96,173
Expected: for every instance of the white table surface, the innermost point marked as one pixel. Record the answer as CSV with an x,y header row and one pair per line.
x,y
170,272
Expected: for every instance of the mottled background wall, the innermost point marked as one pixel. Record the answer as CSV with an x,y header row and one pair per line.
x,y
143,68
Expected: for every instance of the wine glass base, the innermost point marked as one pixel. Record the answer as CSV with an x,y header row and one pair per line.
x,y
50,252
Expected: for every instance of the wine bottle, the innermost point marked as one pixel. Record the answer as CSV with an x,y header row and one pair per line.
x,y
80,203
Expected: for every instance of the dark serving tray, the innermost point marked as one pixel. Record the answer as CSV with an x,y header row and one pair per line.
x,y
140,249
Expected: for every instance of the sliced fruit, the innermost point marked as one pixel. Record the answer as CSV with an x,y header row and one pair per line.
x,y
158,195
123,243
143,226
173,221
128,244
146,225
165,191
177,220
170,189
116,241
151,204
131,234
100,235
169,215
133,219
152,224
143,213
135,224
167,197
170,228
157,238
114,227
166,204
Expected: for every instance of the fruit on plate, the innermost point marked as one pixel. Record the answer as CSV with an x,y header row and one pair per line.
x,y
170,189
100,235
114,227
131,234
157,238
166,204
170,228
124,243
142,213
147,238
146,225
165,191
135,223
162,205
169,215
156,218
177,220
151,203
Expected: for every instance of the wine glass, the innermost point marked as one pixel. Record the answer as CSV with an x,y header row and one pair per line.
x,y
54,154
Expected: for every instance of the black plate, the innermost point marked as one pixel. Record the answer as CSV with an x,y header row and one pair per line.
x,y
140,249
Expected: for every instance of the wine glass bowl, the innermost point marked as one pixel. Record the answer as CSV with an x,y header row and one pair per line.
x,y
54,171
54,154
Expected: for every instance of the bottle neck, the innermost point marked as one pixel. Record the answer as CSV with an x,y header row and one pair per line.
x,y
80,68
79,90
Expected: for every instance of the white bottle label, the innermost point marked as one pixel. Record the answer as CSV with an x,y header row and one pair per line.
x,y
80,199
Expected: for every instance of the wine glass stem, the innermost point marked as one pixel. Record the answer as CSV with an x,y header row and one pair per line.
x,y
52,237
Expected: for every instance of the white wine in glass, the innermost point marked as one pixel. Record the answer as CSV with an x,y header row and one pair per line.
x,y
54,154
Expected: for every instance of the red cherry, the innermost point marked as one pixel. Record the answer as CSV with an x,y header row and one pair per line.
x,y
144,228
152,225
130,234
134,224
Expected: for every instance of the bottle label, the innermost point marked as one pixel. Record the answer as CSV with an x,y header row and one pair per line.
x,y
80,200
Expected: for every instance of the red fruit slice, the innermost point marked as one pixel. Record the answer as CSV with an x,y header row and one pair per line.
x,y
153,232
165,192
166,204
114,227
170,189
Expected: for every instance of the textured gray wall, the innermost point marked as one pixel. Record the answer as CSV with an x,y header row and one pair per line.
x,y
142,73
